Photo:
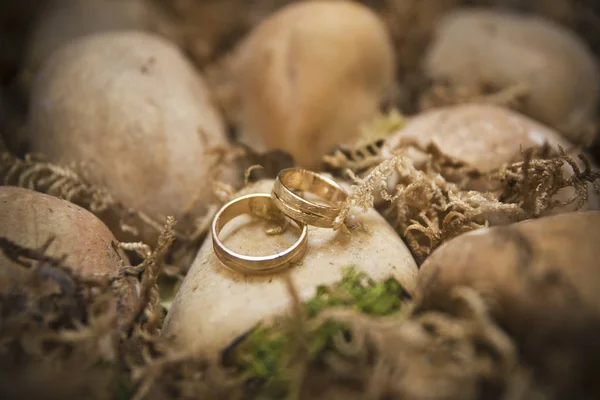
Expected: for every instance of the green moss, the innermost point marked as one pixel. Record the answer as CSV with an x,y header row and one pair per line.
x,y
360,292
123,388
267,357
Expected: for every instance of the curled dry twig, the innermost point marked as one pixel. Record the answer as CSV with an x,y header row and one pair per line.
x,y
148,270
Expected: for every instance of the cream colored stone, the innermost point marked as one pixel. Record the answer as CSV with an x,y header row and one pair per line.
x,y
65,20
132,109
504,49
485,137
309,75
215,305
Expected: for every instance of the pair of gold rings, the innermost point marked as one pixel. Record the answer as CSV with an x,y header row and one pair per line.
x,y
287,198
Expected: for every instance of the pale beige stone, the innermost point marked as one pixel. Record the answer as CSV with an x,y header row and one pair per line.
x,y
65,20
309,75
485,137
504,49
134,111
215,305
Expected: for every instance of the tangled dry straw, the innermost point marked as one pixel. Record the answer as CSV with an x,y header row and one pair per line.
x,y
433,204
62,335
61,339
356,339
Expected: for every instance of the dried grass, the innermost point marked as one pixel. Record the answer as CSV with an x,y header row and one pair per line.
x,y
428,208
66,333
357,338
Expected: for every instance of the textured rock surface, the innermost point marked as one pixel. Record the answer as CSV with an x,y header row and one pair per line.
x,y
540,279
215,305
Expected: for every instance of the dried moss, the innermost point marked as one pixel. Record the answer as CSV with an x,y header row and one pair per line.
x,y
433,203
344,351
65,333
358,335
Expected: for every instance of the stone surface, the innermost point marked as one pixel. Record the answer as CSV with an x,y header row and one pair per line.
x,y
540,280
136,114
504,49
215,305
65,20
309,75
30,219
485,137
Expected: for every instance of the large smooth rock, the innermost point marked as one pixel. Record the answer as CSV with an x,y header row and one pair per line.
x,y
133,111
64,20
308,76
215,305
30,219
486,137
503,49
541,281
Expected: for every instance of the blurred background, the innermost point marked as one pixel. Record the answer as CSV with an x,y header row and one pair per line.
x,y
208,29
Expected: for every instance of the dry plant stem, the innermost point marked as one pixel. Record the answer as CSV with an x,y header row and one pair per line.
x,y
62,182
76,325
147,375
91,322
300,351
143,250
149,303
67,183
34,258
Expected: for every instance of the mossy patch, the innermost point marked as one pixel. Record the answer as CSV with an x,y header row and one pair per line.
x,y
270,357
360,292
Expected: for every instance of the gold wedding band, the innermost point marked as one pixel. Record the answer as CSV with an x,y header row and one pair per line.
x,y
260,204
302,210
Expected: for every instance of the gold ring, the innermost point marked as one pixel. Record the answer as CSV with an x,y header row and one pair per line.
x,y
300,209
260,204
